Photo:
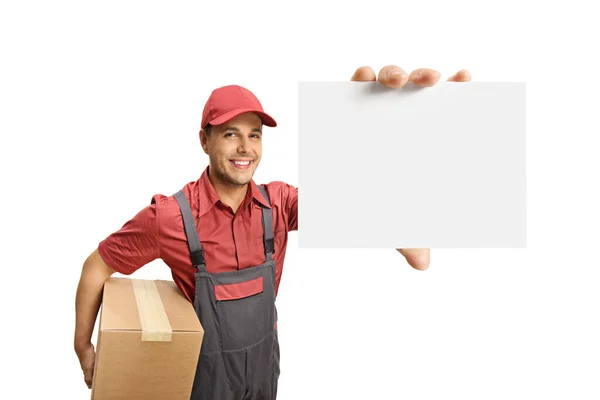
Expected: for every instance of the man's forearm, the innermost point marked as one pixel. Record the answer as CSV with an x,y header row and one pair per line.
x,y
88,299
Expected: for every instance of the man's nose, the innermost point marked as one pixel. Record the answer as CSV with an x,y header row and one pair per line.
x,y
243,146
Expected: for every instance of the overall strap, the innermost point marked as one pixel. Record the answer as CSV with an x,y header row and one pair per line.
x,y
267,221
196,252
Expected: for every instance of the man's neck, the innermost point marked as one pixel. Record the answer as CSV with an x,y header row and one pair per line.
x,y
232,195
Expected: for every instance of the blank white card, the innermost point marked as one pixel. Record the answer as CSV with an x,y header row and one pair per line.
x,y
434,167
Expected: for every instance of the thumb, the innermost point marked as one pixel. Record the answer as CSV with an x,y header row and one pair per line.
x,y
89,377
416,258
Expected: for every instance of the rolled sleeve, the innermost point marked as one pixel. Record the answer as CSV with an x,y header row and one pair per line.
x,y
135,244
291,207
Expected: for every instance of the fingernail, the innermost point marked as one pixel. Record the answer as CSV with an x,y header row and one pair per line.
x,y
394,73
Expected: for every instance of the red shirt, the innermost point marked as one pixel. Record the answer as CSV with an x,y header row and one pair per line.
x,y
230,241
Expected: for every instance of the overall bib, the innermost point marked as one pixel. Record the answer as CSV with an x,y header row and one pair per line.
x,y
239,357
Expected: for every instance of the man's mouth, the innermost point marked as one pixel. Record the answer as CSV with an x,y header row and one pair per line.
x,y
241,164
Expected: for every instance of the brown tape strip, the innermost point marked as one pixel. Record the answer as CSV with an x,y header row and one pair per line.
x,y
153,318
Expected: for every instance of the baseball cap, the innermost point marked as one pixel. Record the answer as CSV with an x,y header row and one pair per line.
x,y
228,102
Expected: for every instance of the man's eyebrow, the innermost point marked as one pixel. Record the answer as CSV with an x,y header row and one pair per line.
x,y
234,129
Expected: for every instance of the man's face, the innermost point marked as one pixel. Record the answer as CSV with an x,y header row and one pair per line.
x,y
234,149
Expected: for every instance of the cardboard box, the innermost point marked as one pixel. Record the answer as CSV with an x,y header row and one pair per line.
x,y
148,342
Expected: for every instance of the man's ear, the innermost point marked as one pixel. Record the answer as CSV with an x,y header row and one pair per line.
x,y
204,140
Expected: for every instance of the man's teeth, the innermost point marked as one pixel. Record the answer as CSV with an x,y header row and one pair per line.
x,y
241,162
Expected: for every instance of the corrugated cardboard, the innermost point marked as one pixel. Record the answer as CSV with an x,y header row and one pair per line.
x,y
148,342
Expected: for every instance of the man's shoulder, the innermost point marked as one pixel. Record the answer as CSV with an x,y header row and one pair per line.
x,y
280,192
278,186
166,204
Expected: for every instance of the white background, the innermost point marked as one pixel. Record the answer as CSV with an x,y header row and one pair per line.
x,y
100,108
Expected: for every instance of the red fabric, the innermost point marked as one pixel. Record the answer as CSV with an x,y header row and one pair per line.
x,y
228,102
234,291
230,241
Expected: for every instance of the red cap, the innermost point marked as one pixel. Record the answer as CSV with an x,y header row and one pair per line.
x,y
228,102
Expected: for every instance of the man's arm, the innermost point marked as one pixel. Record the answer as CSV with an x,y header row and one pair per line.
x,y
94,274
125,251
291,207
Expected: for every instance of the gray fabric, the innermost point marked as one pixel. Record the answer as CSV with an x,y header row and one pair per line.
x,y
267,390
239,358
267,221
246,313
237,354
190,229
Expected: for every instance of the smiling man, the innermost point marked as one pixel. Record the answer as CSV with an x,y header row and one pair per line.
x,y
222,230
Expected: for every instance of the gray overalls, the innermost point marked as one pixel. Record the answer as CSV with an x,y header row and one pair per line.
x,y
239,358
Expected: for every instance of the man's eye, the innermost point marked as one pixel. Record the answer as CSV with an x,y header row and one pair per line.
x,y
229,133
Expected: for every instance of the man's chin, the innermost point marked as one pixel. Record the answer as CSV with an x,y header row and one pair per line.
x,y
238,177
240,180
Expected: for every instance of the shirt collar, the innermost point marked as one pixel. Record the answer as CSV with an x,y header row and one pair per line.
x,y
208,196
257,195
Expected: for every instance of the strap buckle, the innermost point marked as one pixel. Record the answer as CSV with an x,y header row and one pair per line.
x,y
198,257
270,246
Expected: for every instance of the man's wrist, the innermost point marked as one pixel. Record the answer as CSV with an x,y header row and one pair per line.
x,y
81,345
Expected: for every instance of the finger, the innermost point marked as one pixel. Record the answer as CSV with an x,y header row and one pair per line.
x,y
461,76
392,76
424,77
363,74
416,258
89,377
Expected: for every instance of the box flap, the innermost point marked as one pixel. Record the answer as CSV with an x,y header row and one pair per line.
x,y
120,308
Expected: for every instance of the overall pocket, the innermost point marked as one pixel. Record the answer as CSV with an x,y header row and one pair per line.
x,y
244,311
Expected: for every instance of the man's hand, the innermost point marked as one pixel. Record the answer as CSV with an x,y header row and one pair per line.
x,y
395,77
87,357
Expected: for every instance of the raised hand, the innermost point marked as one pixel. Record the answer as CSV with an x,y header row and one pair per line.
x,y
395,77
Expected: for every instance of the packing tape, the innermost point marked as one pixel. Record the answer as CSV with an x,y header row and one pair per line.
x,y
153,318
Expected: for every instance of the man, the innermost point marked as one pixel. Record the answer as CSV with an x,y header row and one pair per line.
x,y
223,222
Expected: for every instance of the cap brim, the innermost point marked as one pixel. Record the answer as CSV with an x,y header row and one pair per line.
x,y
221,119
